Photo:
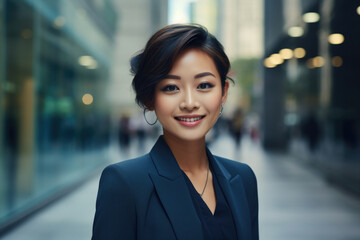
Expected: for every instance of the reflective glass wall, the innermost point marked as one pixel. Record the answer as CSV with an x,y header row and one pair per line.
x,y
54,114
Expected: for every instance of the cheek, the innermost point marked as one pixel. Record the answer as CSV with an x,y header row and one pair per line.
x,y
213,103
163,105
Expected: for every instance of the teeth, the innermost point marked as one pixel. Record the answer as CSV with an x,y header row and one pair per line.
x,y
189,119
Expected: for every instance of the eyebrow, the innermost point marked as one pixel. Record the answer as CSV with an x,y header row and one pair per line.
x,y
204,74
199,75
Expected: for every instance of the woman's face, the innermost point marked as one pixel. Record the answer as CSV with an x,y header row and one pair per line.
x,y
188,101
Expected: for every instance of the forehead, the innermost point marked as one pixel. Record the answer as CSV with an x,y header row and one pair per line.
x,y
194,60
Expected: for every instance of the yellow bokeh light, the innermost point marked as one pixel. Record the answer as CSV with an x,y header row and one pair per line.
x,y
87,99
296,31
336,38
93,65
337,61
310,63
268,63
299,52
358,10
276,59
286,53
59,22
318,61
85,60
88,61
311,17
315,62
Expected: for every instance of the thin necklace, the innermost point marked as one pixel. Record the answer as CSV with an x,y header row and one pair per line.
x,y
207,177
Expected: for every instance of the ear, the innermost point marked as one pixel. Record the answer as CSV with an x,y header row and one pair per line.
x,y
150,106
225,92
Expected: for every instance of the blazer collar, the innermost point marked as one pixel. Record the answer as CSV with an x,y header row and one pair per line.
x,y
164,160
174,195
218,168
234,192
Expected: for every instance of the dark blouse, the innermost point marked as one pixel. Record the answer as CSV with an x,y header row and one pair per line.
x,y
220,225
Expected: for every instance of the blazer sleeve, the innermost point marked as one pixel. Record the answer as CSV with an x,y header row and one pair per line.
x,y
115,216
254,207
250,184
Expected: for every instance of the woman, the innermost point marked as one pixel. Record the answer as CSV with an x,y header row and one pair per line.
x,y
179,190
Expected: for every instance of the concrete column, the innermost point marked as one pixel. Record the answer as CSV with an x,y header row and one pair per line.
x,y
272,119
273,128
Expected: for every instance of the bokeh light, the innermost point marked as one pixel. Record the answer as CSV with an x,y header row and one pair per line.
x,y
311,17
299,52
276,59
337,61
296,31
59,22
87,99
336,38
286,53
88,61
268,63
318,61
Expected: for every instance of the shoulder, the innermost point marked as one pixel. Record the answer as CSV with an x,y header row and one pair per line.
x,y
118,196
235,166
130,171
135,165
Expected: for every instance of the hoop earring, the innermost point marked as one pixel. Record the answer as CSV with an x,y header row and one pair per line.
x,y
222,108
145,109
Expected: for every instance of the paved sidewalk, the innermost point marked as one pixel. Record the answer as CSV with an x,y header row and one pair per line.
x,y
295,203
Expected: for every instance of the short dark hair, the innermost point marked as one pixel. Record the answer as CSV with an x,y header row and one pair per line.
x,y
153,63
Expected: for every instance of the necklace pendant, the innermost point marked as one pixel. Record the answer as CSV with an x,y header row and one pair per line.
x,y
207,177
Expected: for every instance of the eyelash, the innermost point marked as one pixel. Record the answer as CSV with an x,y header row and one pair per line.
x,y
205,86
173,88
167,88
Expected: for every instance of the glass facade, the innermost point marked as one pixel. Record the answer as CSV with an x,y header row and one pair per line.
x,y
55,58
312,62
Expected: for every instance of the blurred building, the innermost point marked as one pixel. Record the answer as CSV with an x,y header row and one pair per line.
x,y
311,101
55,61
242,28
241,32
138,20
238,24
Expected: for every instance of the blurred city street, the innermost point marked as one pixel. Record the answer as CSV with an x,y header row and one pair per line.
x,y
295,202
67,107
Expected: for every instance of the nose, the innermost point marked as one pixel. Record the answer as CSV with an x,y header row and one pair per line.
x,y
189,101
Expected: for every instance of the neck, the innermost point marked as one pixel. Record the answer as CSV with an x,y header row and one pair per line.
x,y
190,155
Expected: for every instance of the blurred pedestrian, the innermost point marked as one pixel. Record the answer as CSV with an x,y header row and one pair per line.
x,y
237,124
139,127
179,190
310,129
124,132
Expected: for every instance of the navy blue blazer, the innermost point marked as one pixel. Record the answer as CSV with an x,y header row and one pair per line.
x,y
147,198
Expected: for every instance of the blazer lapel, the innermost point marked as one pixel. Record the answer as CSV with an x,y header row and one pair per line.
x,y
235,195
173,193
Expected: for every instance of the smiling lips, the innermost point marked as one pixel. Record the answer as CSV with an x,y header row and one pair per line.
x,y
190,121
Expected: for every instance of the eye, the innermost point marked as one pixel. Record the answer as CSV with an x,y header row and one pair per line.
x,y
170,88
205,86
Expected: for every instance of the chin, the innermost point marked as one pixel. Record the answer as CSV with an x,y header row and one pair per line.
x,y
188,136
192,138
